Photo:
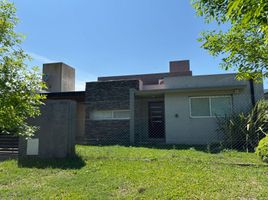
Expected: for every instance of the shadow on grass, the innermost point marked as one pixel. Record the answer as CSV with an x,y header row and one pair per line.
x,y
204,148
75,162
211,148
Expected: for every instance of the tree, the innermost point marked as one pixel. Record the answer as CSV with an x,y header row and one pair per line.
x,y
19,86
244,45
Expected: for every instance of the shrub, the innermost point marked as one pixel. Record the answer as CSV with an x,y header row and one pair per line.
x,y
262,149
234,133
243,131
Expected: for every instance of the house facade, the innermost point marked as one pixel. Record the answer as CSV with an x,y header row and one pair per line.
x,y
168,108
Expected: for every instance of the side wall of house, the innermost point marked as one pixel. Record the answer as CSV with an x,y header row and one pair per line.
x,y
110,95
186,130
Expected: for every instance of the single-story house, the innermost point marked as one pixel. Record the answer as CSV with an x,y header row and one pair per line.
x,y
175,107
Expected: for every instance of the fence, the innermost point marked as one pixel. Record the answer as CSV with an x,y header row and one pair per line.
x,y
211,128
210,123
8,146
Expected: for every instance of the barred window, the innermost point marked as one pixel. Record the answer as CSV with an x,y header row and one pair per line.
x,y
210,106
110,115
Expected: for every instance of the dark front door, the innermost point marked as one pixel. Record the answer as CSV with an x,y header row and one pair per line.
x,y
156,120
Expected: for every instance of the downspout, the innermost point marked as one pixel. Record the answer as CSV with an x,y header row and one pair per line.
x,y
252,92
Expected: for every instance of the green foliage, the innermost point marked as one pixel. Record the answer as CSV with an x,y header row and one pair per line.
x,y
19,86
244,45
233,129
244,131
262,149
257,119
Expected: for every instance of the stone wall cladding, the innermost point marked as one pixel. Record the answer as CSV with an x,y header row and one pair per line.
x,y
108,95
108,132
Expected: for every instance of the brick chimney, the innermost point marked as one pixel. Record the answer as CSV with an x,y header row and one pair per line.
x,y
179,66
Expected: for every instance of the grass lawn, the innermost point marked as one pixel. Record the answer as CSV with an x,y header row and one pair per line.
x,y
115,172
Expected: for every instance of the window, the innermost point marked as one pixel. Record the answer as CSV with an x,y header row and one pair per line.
x,y
121,114
101,115
200,107
221,106
110,115
210,106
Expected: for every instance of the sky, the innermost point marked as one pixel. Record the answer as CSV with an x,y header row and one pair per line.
x,y
114,37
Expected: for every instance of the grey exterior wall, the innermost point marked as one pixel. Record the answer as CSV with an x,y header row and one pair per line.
x,y
187,130
68,78
110,95
216,80
57,130
80,121
184,129
52,76
59,77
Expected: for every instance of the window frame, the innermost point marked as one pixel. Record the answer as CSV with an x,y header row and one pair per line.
x,y
113,115
210,110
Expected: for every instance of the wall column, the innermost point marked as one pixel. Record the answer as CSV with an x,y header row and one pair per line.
x,y
132,116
